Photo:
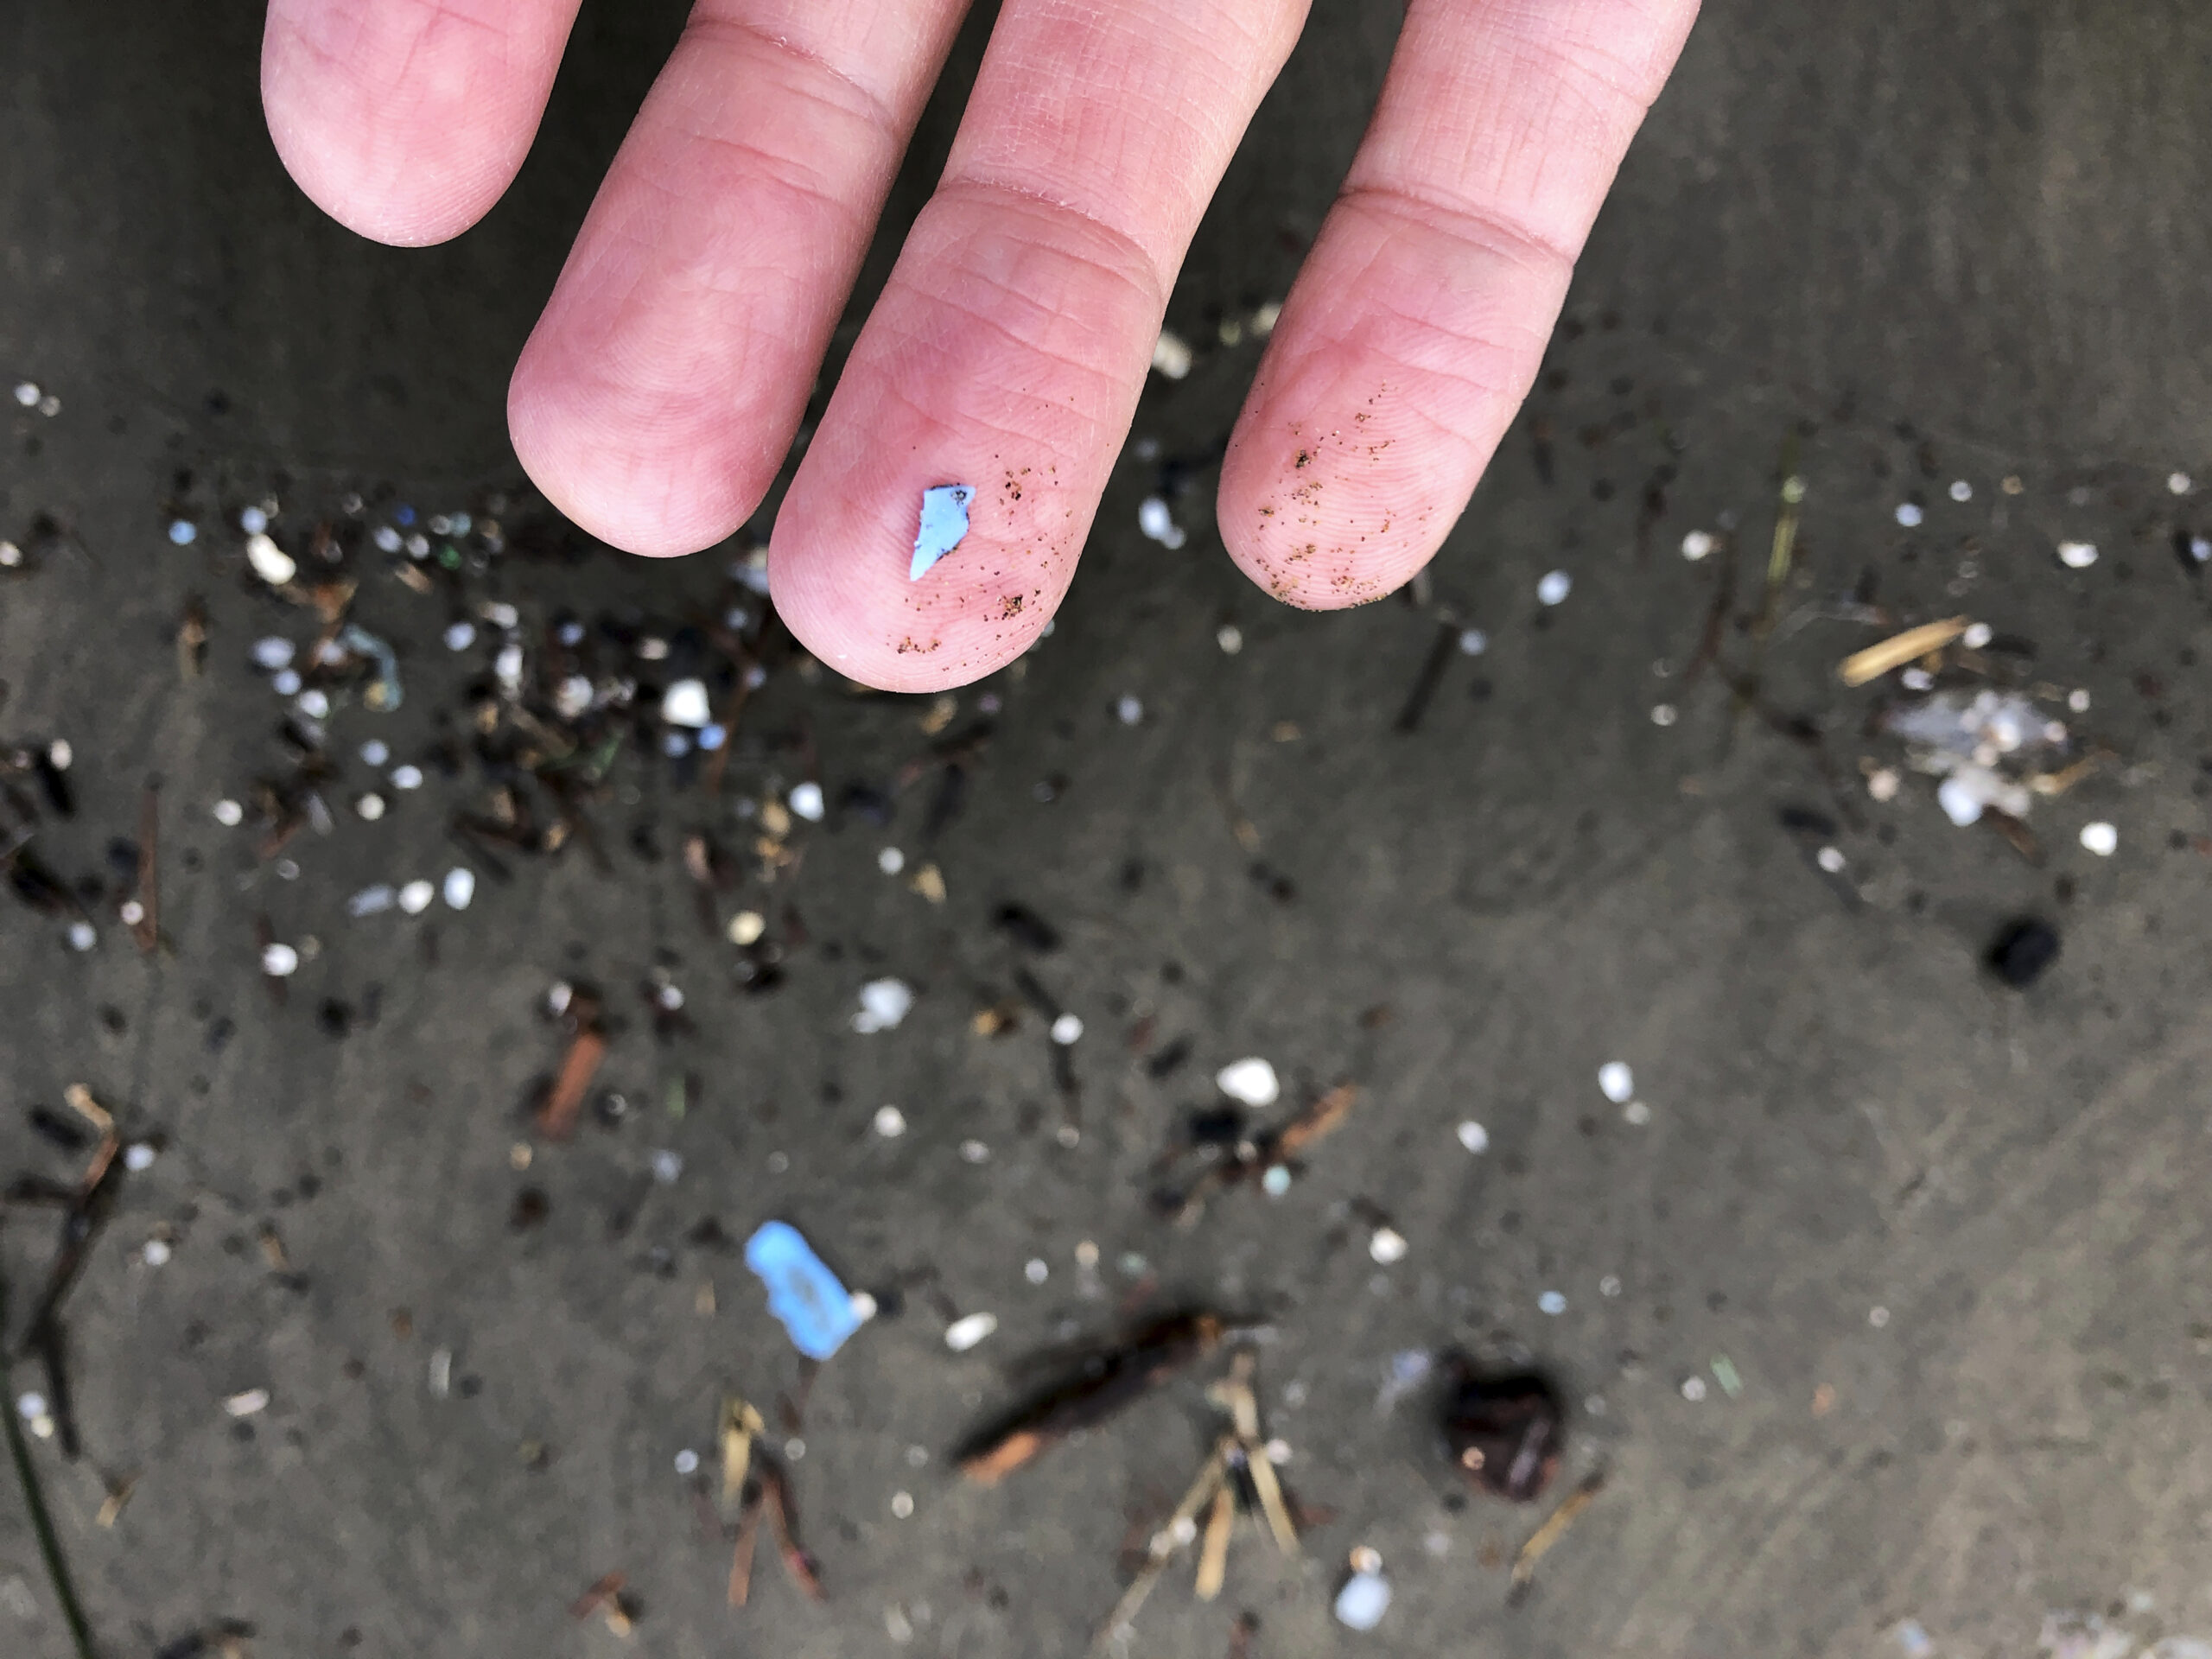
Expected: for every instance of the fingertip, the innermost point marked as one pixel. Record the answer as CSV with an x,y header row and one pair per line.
x,y
652,480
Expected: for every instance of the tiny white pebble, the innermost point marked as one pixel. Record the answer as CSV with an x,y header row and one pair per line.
x,y
82,936
1878,1316
374,753
1551,1302
27,393
684,704
807,802
1473,642
415,897
1473,1136
2180,483
1692,1388
228,813
1250,1082
10,555
890,1123
31,1405
1129,710
139,1156
863,1307
269,561
1917,679
1184,1530
131,913
1663,714
964,1334
460,887
1554,587
1387,1245
460,636
973,1151
369,806
2078,701
1636,1113
1067,1029
891,861
1698,545
2077,556
1170,355
314,703
155,1253
1908,515
1157,523
1978,634
2101,838
1830,859
407,778
1616,1081
1229,638
687,1462
902,1505
49,405
1035,1271
747,926
280,961
247,1403
1961,490
1882,782
1279,1451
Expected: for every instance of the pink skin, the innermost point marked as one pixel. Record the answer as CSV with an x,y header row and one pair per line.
x,y
661,390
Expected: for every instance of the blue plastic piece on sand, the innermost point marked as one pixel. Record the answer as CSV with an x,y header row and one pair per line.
x,y
944,521
815,1308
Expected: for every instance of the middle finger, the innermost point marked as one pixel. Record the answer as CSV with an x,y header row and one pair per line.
x,y
1012,341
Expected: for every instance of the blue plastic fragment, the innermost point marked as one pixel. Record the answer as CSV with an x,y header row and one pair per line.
x,y
805,1295
944,521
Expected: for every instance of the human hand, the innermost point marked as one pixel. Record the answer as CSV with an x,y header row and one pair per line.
x,y
659,395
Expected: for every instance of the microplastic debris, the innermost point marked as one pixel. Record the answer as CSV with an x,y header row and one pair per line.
x,y
1618,1082
1830,859
2180,483
804,1294
460,887
407,778
884,1003
668,1166
973,1151
414,897
2101,838
253,521
228,813
1724,1373
1961,490
891,861
506,668
572,697
1977,636
279,961
1035,1270
864,1305
1913,1637
81,936
10,555
138,1156
683,704
1917,678
902,1505
155,1253
1555,587
27,393
2022,950
1473,642
1170,355
1250,1081
1878,1316
944,521
747,927
2077,556
1229,638
807,802
369,806
1067,1029
1363,1601
1698,545
1908,515
273,653
1692,1388
1551,1302
184,532
1665,714
31,1405
890,1123
1387,1245
1882,782
1276,1181
1636,1113
387,539
2078,701
460,636
314,704
1158,522
964,1333
383,692
247,1403
1129,710
687,1462
269,561
372,901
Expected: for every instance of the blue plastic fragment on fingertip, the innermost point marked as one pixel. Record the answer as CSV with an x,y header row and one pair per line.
x,y
944,521
805,1295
